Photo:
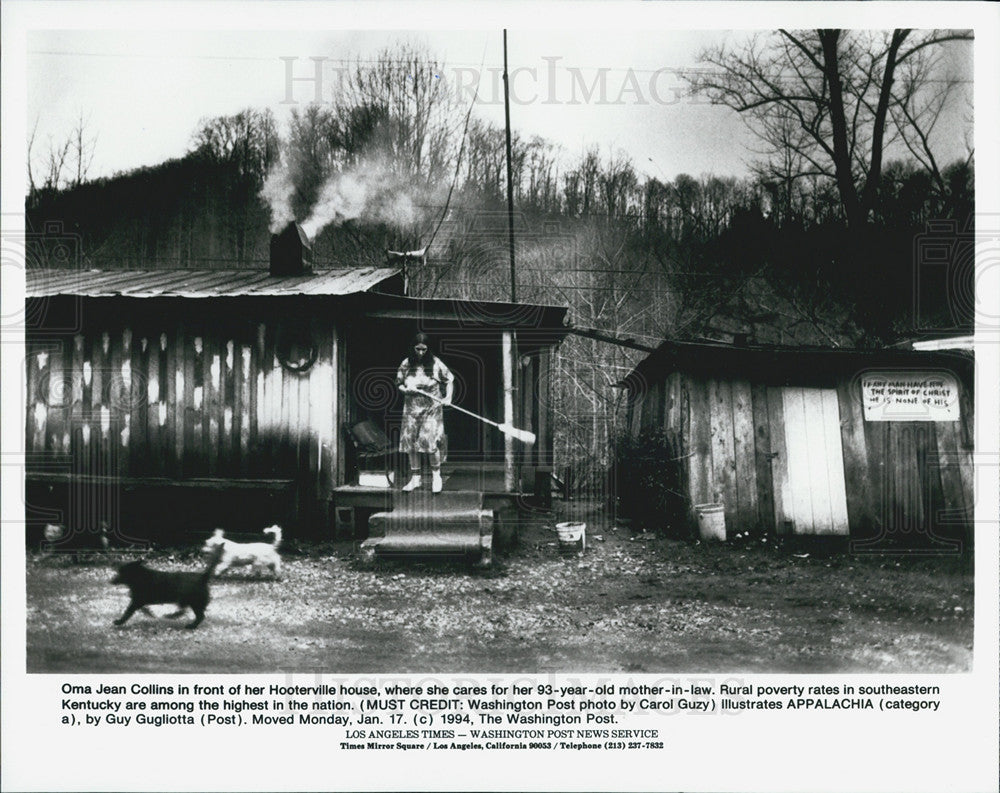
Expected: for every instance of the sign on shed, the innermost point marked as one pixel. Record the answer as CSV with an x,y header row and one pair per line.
x,y
910,396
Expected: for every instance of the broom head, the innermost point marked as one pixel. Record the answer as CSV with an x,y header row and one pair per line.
x,y
522,435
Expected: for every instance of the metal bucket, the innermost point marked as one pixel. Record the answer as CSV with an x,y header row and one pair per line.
x,y
711,521
572,535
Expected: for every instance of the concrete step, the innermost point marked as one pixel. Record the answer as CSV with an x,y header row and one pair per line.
x,y
418,501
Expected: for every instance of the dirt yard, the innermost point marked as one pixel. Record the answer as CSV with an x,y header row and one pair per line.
x,y
634,602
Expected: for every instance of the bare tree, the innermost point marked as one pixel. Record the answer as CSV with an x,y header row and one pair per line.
x,y
617,185
32,185
248,138
83,147
65,163
418,115
55,162
829,103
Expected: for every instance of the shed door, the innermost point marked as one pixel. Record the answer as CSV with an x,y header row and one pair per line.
x,y
807,461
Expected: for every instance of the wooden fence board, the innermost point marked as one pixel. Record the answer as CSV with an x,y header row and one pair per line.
x,y
245,413
650,407
199,415
876,440
799,504
779,464
175,398
139,399
857,476
100,414
700,475
123,371
957,498
55,398
762,458
675,403
156,449
87,398
818,463
37,373
720,400
118,432
289,397
302,425
341,390
77,408
212,365
319,417
935,505
835,457
906,475
744,456
965,440
188,361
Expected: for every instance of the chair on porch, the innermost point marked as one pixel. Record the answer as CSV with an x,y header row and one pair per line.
x,y
372,444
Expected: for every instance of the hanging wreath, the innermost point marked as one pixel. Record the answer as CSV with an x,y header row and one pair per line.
x,y
295,348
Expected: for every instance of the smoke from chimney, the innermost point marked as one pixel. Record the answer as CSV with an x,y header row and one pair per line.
x,y
370,190
278,189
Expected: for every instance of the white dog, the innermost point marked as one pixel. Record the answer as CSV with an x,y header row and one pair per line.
x,y
237,554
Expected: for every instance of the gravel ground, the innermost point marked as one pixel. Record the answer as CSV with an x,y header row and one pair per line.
x,y
631,603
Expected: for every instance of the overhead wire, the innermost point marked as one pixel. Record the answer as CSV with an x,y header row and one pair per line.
x,y
461,151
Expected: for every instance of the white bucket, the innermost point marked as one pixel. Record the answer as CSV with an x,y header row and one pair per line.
x,y
375,479
711,521
572,534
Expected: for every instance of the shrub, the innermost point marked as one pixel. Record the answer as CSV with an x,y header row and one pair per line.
x,y
649,480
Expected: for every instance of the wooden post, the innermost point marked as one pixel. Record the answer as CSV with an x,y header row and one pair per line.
x,y
510,177
508,408
340,390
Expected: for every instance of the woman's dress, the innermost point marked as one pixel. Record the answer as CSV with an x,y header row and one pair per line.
x,y
423,418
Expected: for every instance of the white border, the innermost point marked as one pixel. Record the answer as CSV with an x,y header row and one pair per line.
x,y
955,750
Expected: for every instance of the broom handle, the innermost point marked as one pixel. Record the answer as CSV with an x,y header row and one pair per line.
x,y
461,409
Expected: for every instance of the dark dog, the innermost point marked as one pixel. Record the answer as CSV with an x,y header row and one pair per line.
x,y
154,586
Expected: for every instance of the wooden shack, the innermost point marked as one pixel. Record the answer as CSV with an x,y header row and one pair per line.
x,y
172,401
873,445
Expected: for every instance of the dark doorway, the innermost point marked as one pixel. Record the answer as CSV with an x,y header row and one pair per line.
x,y
375,349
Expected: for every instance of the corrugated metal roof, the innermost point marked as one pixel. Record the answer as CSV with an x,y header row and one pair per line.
x,y
791,363
200,283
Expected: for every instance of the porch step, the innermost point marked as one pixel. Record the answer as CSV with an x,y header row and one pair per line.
x,y
473,477
423,523
448,501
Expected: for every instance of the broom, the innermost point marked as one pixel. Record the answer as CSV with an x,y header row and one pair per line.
x,y
507,429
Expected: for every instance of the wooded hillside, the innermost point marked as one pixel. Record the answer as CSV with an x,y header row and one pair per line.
x,y
770,257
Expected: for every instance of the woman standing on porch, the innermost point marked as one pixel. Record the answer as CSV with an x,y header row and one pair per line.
x,y
422,373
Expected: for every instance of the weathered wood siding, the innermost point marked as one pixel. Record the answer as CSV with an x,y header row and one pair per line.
x,y
181,398
725,441
534,405
899,478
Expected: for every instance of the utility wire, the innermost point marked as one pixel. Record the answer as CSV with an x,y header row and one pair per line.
x,y
461,152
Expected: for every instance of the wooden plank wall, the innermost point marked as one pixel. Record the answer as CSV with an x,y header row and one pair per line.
x,y
533,406
179,399
898,476
723,423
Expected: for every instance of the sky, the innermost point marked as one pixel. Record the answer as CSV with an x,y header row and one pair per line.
x,y
141,93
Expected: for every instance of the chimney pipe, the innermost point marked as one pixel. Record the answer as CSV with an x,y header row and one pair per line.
x,y
403,260
291,251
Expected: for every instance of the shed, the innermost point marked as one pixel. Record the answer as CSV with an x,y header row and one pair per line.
x,y
872,445
193,396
